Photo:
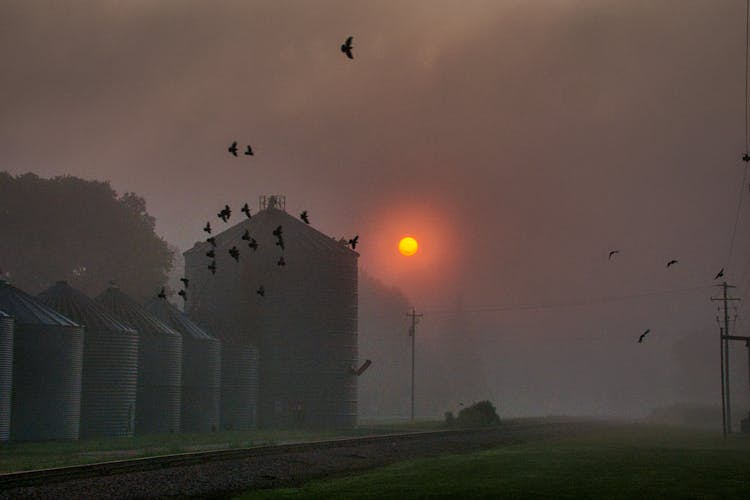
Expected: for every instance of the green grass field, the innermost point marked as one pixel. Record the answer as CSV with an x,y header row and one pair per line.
x,y
630,462
29,456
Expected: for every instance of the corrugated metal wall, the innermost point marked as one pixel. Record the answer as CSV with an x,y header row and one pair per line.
x,y
47,361
110,363
201,368
6,373
158,397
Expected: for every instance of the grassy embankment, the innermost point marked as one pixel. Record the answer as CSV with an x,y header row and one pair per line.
x,y
635,461
29,456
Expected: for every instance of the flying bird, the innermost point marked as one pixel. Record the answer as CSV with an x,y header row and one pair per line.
x,y
212,267
353,242
720,274
746,157
249,151
612,253
346,48
277,232
211,240
162,294
207,227
281,261
304,217
234,253
211,254
185,281
233,148
246,236
640,339
182,294
246,210
280,242
253,244
225,213
261,291
672,262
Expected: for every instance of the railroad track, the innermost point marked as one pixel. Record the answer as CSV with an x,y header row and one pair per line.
x,y
56,475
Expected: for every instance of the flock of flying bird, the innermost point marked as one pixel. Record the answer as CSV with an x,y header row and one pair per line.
x,y
226,212
670,263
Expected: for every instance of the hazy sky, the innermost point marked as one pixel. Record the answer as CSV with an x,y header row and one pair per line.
x,y
518,141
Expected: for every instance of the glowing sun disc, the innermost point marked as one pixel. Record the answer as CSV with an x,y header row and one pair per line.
x,y
408,246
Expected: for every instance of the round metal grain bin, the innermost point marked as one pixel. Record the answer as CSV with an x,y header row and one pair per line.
x,y
201,368
110,363
47,361
6,373
305,324
239,386
158,395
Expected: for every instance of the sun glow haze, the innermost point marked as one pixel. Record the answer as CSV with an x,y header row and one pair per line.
x,y
408,246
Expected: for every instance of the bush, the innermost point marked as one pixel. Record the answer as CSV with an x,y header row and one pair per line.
x,y
481,414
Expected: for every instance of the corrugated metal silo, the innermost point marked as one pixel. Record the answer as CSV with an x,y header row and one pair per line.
x,y
47,360
201,368
158,395
6,373
110,363
305,324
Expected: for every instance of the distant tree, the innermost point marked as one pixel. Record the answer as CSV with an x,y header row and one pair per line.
x,y
479,414
66,228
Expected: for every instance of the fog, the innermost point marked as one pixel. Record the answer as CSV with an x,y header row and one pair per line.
x,y
519,142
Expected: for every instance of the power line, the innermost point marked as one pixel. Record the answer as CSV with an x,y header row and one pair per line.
x,y
577,303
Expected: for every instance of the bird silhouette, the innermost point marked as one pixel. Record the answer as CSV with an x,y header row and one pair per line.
x,y
672,262
185,281
643,335
353,242
246,236
207,227
253,244
246,210
249,151
162,294
233,148
182,294
225,213
613,252
211,254
234,253
278,232
281,261
346,48
304,217
211,240
746,157
280,242
261,291
212,267
720,274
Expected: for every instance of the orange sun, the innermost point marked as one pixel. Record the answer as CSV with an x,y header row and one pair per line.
x,y
408,246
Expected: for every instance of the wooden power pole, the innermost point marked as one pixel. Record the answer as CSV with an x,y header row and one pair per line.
x,y
413,333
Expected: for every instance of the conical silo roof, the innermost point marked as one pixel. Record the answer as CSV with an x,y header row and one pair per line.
x,y
27,310
82,309
176,319
131,312
296,234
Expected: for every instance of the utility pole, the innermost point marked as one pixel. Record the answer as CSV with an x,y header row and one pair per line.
x,y
726,410
413,334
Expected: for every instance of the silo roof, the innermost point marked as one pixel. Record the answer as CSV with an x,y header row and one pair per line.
x,y
176,319
67,300
128,310
296,234
27,310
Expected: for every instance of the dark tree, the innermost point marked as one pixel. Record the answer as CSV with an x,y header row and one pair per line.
x,y
66,228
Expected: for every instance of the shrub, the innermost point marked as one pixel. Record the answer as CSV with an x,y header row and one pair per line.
x,y
481,414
